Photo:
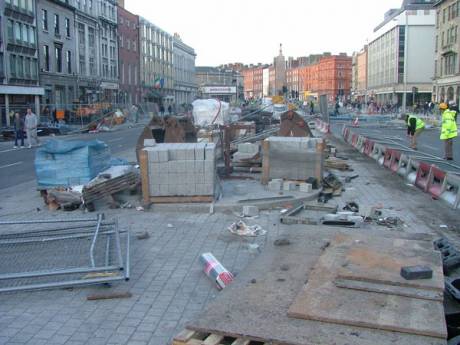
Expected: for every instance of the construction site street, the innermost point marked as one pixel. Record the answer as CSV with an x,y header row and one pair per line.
x,y
17,165
428,141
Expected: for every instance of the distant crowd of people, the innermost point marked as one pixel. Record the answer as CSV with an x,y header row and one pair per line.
x,y
27,123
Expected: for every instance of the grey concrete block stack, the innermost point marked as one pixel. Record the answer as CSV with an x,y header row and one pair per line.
x,y
181,169
295,158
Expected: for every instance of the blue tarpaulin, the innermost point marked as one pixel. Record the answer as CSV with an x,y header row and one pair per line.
x,y
65,163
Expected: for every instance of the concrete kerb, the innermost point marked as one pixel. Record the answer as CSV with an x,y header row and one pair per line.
x,y
233,207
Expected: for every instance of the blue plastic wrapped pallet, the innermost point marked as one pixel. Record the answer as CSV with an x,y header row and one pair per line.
x,y
60,163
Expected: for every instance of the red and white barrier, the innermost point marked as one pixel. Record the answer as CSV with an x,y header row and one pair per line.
x,y
436,181
423,176
450,191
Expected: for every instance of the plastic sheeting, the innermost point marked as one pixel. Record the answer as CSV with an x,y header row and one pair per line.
x,y
60,163
207,112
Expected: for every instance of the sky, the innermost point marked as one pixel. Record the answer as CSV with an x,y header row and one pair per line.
x,y
250,31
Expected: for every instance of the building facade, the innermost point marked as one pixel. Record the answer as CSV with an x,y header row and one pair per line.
x,y
401,54
108,47
184,72
446,84
129,57
258,84
156,64
266,82
279,65
361,69
56,35
19,76
248,82
293,82
223,84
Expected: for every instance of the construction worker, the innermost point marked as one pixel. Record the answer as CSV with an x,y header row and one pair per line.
x,y
448,129
415,127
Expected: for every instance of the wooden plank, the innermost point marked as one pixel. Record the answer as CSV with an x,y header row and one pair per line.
x,y
389,289
143,163
181,199
383,266
241,342
265,162
322,300
213,339
183,337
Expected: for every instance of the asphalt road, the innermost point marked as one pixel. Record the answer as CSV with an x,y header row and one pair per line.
x,y
428,141
17,165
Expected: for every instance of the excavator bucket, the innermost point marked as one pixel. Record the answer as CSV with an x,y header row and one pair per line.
x,y
293,125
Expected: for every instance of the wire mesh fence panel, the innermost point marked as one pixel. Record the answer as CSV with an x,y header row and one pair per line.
x,y
44,256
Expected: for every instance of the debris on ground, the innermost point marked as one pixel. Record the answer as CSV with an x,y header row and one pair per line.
x,y
143,235
336,164
348,179
216,271
250,211
351,206
331,184
282,242
389,222
240,228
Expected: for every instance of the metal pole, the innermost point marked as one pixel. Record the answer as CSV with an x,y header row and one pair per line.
x,y
406,38
128,261
93,243
14,222
59,238
57,272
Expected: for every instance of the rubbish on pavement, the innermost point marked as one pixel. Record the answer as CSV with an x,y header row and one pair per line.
x,y
389,221
240,228
216,271
143,235
348,179
351,206
112,295
253,248
281,242
336,164
416,272
139,208
170,226
250,211
347,219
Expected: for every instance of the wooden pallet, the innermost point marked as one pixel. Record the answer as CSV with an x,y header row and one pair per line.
x,y
188,337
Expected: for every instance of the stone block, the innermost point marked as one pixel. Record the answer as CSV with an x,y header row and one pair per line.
x,y
199,167
289,186
248,148
154,169
149,142
163,154
250,211
190,166
416,272
199,151
275,185
210,152
154,189
164,190
305,187
199,178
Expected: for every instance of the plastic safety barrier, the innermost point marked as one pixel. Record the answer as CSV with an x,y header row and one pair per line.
x,y
360,143
436,181
368,147
394,166
403,166
354,140
423,176
450,191
388,157
346,133
378,153
412,170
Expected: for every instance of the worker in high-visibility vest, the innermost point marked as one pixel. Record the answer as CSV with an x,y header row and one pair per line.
x,y
448,129
415,126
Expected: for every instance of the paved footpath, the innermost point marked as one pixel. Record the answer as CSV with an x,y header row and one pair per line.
x,y
167,282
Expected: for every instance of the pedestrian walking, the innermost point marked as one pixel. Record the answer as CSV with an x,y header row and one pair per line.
x,y
312,108
415,126
169,109
162,109
448,129
18,130
31,124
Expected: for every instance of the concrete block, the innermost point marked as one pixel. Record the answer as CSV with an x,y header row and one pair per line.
x,y
180,167
199,151
250,211
154,168
199,167
149,142
172,189
154,189
199,178
164,190
189,152
163,179
305,187
209,167
289,186
275,185
172,166
163,155
416,272
247,148
190,166
210,152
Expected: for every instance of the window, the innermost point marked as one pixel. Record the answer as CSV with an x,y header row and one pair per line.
x,y
69,61
45,20
17,31
30,8
32,36
67,27
128,44
33,67
25,33
444,11
134,46
90,5
27,68
13,65
46,58
56,24
10,30
20,68
58,51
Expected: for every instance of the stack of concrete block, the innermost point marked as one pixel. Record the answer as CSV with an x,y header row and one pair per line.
x,y
292,158
181,169
246,151
275,185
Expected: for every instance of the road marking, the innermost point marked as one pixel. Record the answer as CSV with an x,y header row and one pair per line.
x,y
8,150
113,140
10,165
428,147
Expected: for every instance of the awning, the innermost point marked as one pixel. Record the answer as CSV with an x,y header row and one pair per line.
x,y
21,90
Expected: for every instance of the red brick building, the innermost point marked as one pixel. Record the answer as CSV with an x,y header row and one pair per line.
x,y
253,81
330,76
129,57
248,83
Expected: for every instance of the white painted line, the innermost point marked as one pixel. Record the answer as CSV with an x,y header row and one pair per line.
x,y
8,150
113,140
10,165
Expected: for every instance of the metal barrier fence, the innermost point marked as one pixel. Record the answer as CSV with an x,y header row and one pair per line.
x,y
44,254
